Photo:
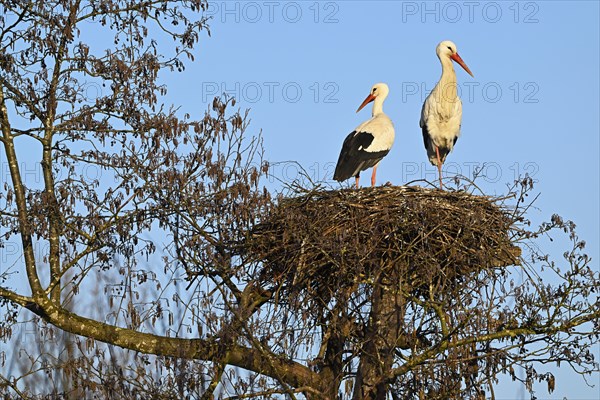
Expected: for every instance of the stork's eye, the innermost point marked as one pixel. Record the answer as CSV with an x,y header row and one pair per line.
x,y
449,48
374,89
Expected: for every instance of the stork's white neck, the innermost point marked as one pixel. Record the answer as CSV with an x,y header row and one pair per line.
x,y
447,82
378,105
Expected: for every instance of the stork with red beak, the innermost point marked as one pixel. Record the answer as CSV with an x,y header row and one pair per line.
x,y
366,145
442,111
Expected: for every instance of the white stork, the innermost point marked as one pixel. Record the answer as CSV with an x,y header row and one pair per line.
x,y
442,110
371,141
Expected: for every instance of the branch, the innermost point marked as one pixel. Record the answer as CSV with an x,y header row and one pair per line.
x,y
291,372
20,197
531,330
15,297
305,389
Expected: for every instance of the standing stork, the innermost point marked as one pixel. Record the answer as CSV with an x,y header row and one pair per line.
x,y
366,145
442,110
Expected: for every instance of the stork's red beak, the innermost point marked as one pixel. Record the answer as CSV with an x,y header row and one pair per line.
x,y
369,99
460,61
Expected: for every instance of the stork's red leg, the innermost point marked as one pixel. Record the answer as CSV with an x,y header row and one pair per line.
x,y
439,165
357,180
374,175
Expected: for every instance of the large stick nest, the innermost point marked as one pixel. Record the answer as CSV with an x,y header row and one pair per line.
x,y
323,241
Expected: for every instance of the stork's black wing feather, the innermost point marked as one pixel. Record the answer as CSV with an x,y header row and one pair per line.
x,y
429,146
426,137
355,156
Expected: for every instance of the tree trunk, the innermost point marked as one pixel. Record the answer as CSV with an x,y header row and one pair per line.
x,y
384,333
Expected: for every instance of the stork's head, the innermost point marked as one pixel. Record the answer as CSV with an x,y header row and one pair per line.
x,y
378,91
447,49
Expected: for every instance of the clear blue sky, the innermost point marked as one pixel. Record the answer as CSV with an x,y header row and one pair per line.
x,y
304,67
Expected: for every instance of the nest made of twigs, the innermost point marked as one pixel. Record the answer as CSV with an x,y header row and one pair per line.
x,y
322,241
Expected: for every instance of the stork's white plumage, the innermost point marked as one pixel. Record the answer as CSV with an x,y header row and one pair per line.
x,y
442,111
371,141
